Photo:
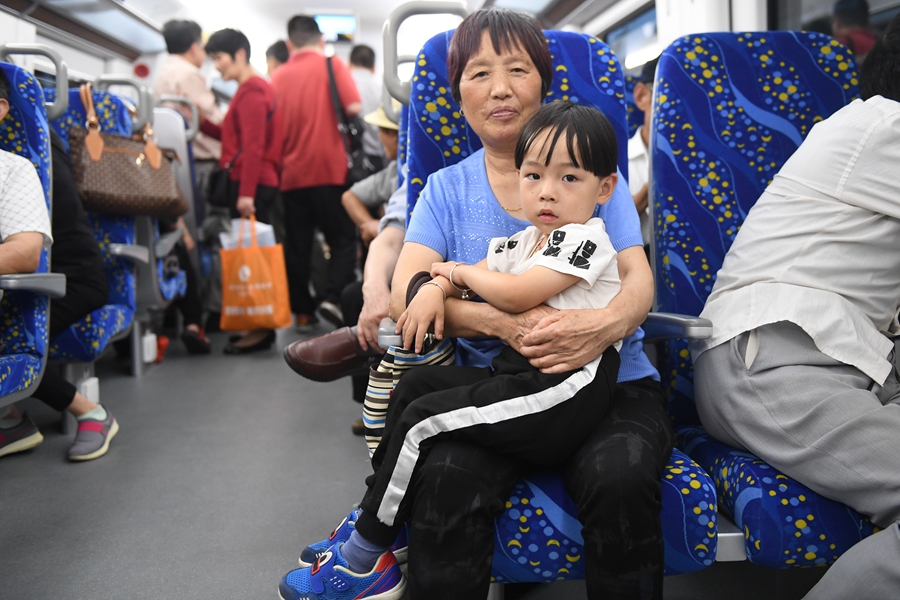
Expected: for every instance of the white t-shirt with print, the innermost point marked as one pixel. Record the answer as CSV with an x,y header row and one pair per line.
x,y
584,251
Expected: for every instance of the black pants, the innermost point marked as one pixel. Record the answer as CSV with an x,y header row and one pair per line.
x,y
188,305
351,307
614,479
304,210
512,409
83,296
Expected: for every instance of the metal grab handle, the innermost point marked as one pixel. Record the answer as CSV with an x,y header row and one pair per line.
x,y
191,132
145,102
54,109
399,89
386,103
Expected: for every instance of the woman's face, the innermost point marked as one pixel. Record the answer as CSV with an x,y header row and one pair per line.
x,y
499,93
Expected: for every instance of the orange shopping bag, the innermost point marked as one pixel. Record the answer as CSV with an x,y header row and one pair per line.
x,y
254,285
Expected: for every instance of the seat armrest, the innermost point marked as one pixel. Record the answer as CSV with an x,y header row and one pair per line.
x,y
666,326
52,284
386,335
131,252
166,242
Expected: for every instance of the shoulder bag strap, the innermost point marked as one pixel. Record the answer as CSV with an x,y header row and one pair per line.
x,y
93,142
338,109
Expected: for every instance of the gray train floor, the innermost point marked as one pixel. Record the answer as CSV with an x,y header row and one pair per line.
x,y
224,468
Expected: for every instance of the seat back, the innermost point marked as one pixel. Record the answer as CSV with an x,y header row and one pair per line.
x,y
86,342
729,110
24,327
635,115
585,71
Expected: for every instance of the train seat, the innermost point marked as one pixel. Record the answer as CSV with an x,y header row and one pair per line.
x,y
87,338
538,536
25,324
730,108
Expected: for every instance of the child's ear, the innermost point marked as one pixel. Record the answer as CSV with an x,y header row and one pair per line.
x,y
607,187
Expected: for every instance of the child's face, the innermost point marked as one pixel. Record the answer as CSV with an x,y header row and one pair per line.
x,y
559,193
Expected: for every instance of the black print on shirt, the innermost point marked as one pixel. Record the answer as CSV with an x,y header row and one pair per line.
x,y
512,244
500,247
553,244
579,258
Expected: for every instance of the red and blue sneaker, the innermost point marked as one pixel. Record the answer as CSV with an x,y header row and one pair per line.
x,y
329,578
342,533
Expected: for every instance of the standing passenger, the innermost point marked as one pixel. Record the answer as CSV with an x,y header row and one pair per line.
x,y
314,169
276,55
362,69
638,154
851,27
251,141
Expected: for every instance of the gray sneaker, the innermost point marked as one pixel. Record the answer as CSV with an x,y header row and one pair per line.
x,y
92,439
23,436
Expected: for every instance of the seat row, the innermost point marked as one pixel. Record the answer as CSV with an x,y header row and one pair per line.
x,y
131,246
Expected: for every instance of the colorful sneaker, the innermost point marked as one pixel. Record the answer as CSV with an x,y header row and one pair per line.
x,y
341,534
93,437
23,436
328,578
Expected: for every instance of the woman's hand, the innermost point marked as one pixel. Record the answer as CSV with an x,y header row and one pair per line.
x,y
246,206
426,308
569,339
375,308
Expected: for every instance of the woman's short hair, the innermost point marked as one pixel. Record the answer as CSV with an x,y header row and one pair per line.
x,y
181,35
228,41
590,137
508,28
880,72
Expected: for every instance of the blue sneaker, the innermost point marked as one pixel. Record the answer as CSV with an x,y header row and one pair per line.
x,y
341,534
329,579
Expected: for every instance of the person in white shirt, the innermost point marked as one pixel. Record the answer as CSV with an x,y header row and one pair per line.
x,y
362,69
638,154
802,365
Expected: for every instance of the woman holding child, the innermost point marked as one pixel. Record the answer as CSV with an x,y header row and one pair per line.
x,y
499,68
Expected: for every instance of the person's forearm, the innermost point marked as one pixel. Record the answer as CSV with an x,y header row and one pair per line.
x,y
20,255
464,319
357,211
382,259
632,303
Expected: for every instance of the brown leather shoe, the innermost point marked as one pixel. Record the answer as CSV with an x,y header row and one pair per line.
x,y
329,356
358,427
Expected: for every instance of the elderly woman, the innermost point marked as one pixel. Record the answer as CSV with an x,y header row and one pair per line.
x,y
499,70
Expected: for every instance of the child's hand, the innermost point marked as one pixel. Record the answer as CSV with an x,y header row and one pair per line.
x,y
427,307
442,269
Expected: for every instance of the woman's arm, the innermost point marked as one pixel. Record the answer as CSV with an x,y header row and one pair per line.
x,y
570,339
211,129
383,253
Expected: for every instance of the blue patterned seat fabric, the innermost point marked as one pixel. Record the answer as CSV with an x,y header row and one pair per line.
x,y
538,536
585,71
402,142
635,116
86,339
730,109
24,324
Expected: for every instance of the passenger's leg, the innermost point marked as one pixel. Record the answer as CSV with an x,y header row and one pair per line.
x,y
340,233
299,216
615,482
814,419
807,415
459,490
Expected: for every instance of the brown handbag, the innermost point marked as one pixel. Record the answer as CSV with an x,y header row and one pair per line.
x,y
118,175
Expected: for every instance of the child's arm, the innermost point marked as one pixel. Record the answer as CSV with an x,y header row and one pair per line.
x,y
510,293
425,309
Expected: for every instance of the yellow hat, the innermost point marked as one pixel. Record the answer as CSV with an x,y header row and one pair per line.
x,y
380,118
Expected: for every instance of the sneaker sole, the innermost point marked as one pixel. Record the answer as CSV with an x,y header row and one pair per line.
x,y
28,443
103,449
395,593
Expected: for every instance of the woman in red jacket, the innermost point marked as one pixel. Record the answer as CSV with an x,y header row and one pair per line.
x,y
251,143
